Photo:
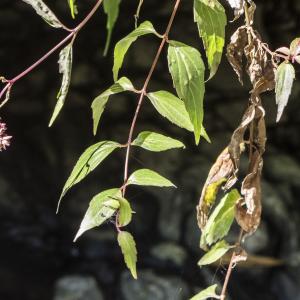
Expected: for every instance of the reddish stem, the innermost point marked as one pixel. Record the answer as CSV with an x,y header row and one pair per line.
x,y
73,33
143,91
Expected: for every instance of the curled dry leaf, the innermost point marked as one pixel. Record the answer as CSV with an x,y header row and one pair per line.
x,y
238,6
222,171
248,210
259,67
235,50
235,147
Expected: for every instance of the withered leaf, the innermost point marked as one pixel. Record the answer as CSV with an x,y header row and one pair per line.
x,y
248,210
237,139
260,136
238,6
259,67
222,171
235,50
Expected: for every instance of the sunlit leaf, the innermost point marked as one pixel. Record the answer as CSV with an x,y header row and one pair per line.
x,y
65,68
87,162
221,219
187,70
123,45
101,208
156,142
125,212
211,20
98,105
111,8
44,11
73,8
148,178
295,47
127,244
210,292
173,109
215,253
284,77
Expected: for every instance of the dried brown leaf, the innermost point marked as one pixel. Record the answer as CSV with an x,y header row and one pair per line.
x,y
222,171
260,68
248,210
235,50
237,139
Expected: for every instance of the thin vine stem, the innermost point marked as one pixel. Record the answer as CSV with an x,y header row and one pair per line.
x,y
144,91
230,267
72,35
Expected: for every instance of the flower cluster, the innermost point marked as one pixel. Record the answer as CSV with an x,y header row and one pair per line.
x,y
4,138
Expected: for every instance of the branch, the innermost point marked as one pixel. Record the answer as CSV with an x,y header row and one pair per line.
x,y
143,92
72,35
230,267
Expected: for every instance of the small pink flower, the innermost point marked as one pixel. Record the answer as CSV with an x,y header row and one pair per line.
x,y
4,138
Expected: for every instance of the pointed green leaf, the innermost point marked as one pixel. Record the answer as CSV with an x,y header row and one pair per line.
x,y
98,105
45,12
123,45
215,253
173,109
187,70
125,212
149,178
111,8
221,219
211,20
127,244
65,68
284,78
73,8
210,292
156,142
87,162
101,208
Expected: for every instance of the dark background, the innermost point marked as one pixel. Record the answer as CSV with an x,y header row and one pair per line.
x,y
38,260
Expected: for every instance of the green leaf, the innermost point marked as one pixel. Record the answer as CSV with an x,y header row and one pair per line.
x,y
211,20
210,292
173,109
123,45
73,8
111,8
187,70
215,253
127,244
156,142
45,12
220,220
149,178
98,105
284,78
87,162
65,68
125,212
101,208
